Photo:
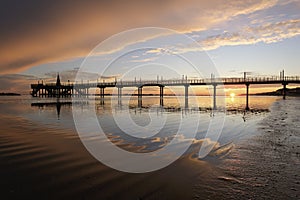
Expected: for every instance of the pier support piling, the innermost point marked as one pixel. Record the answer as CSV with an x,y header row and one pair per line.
x,y
140,93
247,96
119,95
284,91
215,98
186,96
102,95
161,95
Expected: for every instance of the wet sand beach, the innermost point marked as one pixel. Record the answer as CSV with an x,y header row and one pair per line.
x,y
150,100
56,166
46,161
269,162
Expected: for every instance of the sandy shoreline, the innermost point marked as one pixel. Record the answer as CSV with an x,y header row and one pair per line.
x,y
269,163
51,163
53,166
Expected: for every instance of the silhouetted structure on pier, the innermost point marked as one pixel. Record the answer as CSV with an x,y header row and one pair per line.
x,y
69,89
58,90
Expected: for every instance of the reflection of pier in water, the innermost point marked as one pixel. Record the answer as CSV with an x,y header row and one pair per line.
x,y
56,104
82,89
158,109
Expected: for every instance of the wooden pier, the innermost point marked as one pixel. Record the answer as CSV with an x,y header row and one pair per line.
x,y
79,89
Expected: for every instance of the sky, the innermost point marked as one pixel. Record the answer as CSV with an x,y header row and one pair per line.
x,y
41,38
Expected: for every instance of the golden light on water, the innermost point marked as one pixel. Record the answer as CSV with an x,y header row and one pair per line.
x,y
232,95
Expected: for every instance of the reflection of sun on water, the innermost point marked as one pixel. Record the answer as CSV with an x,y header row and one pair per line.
x,y
232,95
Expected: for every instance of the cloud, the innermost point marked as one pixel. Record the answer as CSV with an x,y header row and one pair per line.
x,y
144,60
38,32
16,83
268,33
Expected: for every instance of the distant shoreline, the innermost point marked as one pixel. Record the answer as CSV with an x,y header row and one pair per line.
x,y
289,92
9,94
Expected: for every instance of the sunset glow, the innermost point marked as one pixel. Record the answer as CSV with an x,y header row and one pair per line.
x,y
258,36
150,99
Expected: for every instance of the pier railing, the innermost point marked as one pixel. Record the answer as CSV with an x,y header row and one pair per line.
x,y
207,81
176,82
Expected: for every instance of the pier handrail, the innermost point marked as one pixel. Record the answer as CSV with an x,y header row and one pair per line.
x,y
227,80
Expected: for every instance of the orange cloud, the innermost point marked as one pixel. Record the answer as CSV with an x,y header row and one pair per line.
x,y
47,31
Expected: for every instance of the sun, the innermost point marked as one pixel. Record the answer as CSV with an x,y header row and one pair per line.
x,y
232,95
